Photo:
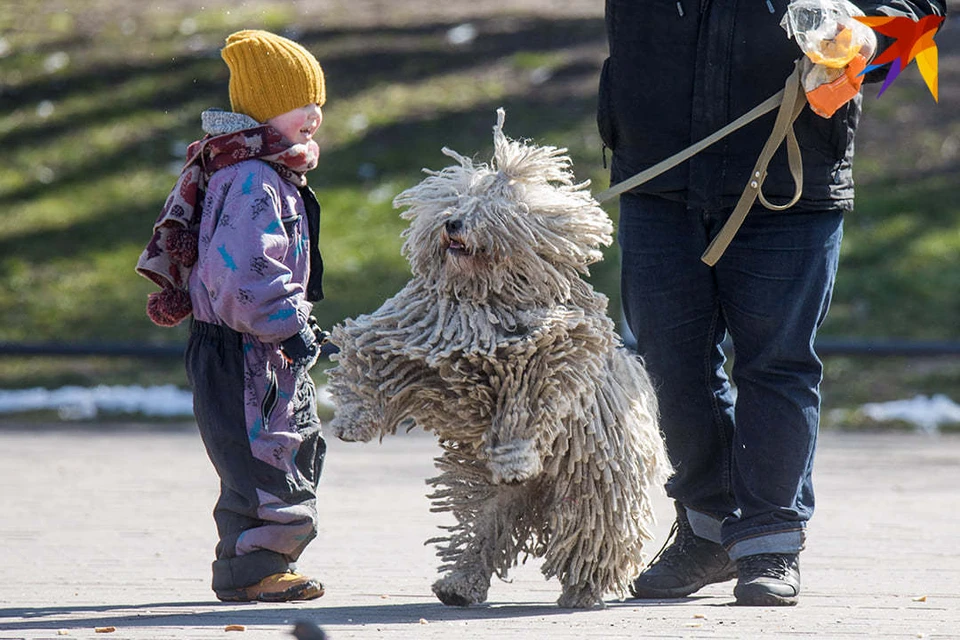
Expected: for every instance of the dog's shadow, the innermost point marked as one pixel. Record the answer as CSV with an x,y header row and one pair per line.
x,y
208,614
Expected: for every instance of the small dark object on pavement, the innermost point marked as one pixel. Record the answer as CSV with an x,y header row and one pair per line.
x,y
306,630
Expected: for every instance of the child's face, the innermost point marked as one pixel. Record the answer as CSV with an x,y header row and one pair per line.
x,y
298,125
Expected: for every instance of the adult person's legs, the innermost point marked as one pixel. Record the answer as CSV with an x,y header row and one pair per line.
x,y
746,486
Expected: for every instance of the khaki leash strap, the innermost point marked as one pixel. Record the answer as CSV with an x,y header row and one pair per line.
x,y
794,99
791,101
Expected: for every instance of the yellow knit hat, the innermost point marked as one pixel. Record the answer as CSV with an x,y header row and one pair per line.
x,y
271,75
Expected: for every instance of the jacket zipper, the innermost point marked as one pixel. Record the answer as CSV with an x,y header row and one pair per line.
x,y
270,398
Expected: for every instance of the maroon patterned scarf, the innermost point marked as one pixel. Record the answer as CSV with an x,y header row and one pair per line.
x,y
172,251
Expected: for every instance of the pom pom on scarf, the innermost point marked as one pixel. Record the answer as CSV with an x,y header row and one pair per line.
x,y
167,308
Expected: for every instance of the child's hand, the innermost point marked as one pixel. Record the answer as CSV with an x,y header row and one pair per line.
x,y
321,335
302,349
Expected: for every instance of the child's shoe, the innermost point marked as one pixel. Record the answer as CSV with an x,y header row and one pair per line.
x,y
279,587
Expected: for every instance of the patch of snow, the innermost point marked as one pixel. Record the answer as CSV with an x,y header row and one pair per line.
x,y
927,413
169,401
462,35
84,403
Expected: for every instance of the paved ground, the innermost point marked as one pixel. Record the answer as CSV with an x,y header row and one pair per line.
x,y
113,529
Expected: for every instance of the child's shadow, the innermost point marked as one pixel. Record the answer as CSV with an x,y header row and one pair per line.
x,y
206,614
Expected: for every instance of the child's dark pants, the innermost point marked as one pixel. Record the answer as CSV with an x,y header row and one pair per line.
x,y
258,421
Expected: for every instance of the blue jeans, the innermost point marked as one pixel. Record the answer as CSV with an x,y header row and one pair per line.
x,y
743,455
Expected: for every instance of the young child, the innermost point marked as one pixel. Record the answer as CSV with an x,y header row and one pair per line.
x,y
236,246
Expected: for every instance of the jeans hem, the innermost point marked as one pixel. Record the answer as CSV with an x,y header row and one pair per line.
x,y
775,542
704,526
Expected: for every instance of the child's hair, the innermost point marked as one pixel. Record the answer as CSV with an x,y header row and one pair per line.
x,y
271,75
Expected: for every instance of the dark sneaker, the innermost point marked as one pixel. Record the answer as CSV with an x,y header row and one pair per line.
x,y
768,580
685,566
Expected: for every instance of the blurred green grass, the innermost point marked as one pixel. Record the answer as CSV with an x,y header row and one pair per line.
x,y
99,99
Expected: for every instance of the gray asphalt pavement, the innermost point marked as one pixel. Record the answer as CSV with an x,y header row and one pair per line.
x,y
110,529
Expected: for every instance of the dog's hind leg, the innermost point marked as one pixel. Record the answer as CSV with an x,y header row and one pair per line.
x,y
595,544
577,554
581,597
485,539
573,554
467,579
463,587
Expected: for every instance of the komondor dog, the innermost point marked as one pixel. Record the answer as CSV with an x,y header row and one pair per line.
x,y
547,425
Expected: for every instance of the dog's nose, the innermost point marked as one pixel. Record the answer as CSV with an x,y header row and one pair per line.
x,y
453,226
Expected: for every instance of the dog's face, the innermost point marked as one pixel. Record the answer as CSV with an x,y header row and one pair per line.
x,y
459,252
518,225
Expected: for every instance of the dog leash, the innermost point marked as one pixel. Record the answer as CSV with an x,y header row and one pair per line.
x,y
791,100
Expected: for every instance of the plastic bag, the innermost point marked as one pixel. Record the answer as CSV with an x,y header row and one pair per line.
x,y
837,48
827,32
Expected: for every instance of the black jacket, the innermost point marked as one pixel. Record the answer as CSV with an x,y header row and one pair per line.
x,y
678,71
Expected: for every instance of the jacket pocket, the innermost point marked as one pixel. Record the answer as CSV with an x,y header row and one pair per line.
x,y
605,110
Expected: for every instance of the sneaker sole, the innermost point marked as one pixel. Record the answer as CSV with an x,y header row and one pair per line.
x,y
677,592
308,591
759,597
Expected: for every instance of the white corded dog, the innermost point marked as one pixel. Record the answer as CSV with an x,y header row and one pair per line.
x,y
548,426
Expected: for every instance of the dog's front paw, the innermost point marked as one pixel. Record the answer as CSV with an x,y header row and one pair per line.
x,y
514,462
352,430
